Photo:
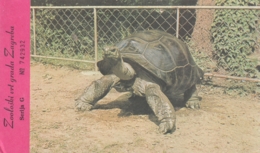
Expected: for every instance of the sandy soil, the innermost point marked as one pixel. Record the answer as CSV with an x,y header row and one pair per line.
x,y
223,124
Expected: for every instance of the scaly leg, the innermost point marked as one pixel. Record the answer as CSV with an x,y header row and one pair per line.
x,y
191,98
161,107
95,91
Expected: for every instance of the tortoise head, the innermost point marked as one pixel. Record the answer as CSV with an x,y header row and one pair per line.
x,y
111,57
112,53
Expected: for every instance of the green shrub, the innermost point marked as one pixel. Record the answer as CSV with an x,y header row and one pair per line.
x,y
62,33
234,37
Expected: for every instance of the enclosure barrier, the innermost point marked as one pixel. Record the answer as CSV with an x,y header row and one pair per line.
x,y
78,33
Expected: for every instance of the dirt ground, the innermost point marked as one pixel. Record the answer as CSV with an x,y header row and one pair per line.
x,y
223,124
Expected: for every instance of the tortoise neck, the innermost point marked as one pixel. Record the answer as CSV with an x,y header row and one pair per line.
x,y
123,70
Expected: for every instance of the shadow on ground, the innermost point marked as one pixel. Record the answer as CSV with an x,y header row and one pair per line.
x,y
136,106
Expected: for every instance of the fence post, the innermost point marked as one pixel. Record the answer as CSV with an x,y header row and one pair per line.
x,y
34,33
95,38
178,22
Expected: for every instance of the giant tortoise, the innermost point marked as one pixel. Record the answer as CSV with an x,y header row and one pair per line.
x,y
151,64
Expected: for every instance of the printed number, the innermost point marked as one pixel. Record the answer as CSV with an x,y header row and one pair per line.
x,y
22,41
22,99
22,53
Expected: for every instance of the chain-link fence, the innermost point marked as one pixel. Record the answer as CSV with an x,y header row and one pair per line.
x,y
80,33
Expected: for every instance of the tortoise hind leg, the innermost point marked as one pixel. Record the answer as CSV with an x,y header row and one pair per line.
x,y
191,98
95,91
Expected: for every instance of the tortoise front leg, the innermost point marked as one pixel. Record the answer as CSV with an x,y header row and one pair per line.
x,y
95,91
161,107
158,102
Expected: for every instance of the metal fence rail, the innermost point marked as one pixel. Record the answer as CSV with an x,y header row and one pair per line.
x,y
79,33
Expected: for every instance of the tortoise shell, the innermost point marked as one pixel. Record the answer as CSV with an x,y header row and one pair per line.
x,y
163,55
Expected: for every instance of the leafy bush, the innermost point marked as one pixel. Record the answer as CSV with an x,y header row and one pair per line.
x,y
205,62
234,37
59,33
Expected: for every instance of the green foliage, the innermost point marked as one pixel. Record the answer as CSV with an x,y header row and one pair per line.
x,y
205,62
234,37
61,36
226,86
234,87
